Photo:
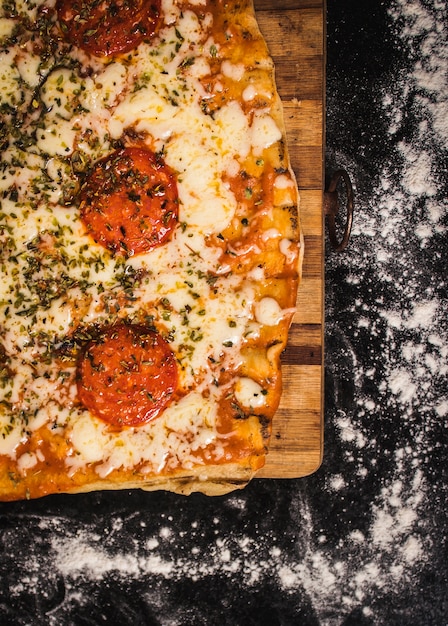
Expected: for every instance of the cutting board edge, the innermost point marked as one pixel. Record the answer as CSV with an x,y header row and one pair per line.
x,y
271,468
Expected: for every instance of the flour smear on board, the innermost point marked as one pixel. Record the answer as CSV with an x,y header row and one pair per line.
x,y
414,358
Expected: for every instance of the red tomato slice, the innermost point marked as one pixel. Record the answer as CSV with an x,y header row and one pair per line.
x,y
129,203
127,375
107,28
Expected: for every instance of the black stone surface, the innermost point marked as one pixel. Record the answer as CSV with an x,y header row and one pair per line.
x,y
363,541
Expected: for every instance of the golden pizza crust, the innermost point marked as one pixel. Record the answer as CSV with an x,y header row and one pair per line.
x,y
211,481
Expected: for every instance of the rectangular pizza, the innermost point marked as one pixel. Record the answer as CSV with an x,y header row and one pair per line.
x,y
150,246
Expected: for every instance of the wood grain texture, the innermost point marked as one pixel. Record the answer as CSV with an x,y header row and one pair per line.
x,y
295,34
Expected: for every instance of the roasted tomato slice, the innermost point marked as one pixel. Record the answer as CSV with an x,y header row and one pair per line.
x,y
107,28
129,203
127,375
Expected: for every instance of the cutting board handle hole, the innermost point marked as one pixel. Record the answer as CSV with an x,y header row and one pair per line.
x,y
332,209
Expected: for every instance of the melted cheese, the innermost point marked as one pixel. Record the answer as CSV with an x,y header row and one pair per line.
x,y
233,71
249,393
187,427
268,312
264,132
56,280
9,77
6,27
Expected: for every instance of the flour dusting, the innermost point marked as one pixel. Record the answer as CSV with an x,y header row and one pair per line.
x,y
397,275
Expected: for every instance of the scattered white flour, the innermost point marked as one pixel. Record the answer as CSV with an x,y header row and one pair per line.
x,y
398,272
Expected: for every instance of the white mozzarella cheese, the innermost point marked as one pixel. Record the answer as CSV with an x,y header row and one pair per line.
x,y
6,27
233,71
268,312
249,393
264,132
187,426
10,94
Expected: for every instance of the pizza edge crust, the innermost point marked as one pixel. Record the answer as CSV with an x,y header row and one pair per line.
x,y
211,480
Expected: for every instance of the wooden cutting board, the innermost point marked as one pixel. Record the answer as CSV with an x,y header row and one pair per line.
x,y
295,34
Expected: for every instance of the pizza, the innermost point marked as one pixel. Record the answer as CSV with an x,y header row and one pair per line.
x,y
150,246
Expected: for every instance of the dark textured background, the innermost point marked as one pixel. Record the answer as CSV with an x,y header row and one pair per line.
x,y
364,540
